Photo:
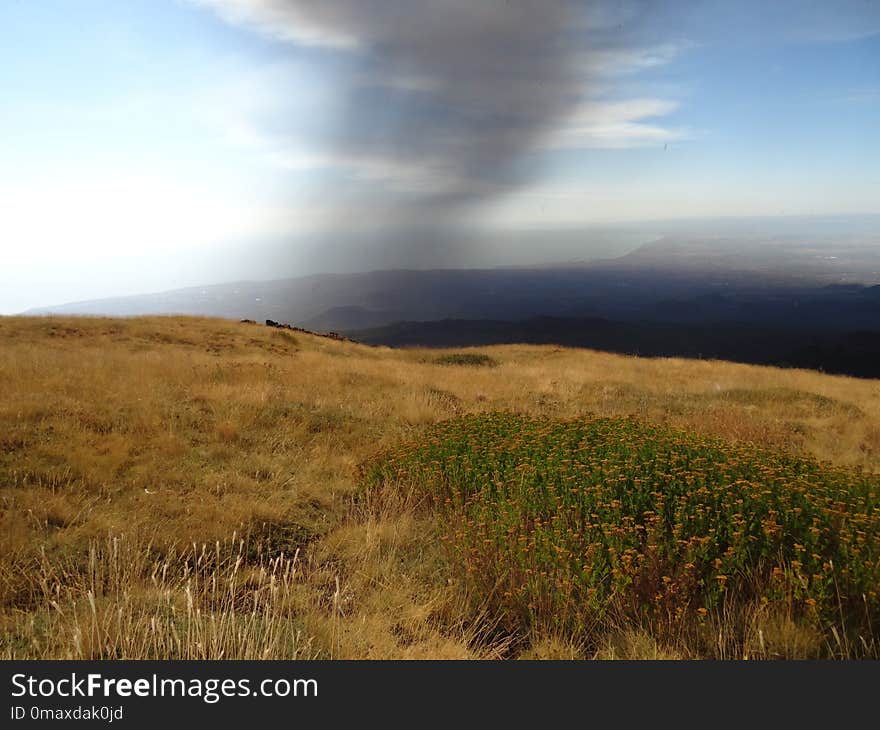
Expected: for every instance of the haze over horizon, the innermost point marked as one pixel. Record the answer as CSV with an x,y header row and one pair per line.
x,y
155,144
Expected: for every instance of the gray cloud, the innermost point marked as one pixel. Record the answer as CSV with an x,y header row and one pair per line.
x,y
461,90
443,107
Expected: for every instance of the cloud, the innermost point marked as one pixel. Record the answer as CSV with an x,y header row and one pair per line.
x,y
615,62
617,125
284,21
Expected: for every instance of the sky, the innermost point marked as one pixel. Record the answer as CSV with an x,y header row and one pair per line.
x,y
152,144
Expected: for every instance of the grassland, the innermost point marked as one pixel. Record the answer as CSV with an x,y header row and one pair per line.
x,y
177,487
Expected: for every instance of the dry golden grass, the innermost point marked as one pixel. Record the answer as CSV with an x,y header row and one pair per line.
x,y
198,602
156,436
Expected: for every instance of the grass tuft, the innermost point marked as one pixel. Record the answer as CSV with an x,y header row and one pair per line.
x,y
126,601
468,359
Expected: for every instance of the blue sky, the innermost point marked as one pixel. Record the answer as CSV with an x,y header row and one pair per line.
x,y
149,144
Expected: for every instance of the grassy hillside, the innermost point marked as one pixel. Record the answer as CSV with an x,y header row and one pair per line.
x,y
177,487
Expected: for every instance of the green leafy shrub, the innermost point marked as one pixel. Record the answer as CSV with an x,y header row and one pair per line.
x,y
552,522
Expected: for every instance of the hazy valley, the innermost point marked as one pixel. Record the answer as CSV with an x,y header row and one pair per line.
x,y
791,301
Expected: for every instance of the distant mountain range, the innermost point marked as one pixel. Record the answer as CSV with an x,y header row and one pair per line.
x,y
812,302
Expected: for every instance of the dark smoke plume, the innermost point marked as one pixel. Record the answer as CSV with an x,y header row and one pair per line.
x,y
469,86
449,96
